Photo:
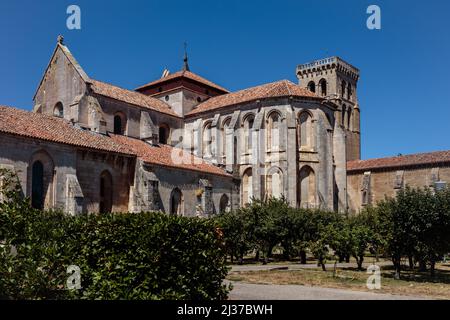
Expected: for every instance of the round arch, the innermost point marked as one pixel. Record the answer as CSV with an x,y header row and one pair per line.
x,y
120,123
176,202
106,192
307,187
247,186
224,205
275,182
164,133
40,176
58,110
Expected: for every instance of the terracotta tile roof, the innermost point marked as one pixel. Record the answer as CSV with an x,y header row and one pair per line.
x,y
131,97
432,158
163,155
185,74
275,89
48,128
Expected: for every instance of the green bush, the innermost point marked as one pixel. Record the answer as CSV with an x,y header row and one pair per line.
x,y
415,225
121,256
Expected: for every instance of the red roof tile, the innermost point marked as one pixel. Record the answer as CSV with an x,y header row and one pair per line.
x,y
53,129
131,97
283,88
165,155
184,74
48,128
432,158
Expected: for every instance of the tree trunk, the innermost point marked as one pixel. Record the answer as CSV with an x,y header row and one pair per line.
x,y
360,262
432,267
411,262
302,257
347,259
397,267
257,256
322,264
422,265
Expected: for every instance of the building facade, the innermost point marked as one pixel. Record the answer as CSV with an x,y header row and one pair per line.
x,y
185,145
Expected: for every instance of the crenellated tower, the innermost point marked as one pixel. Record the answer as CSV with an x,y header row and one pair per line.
x,y
337,80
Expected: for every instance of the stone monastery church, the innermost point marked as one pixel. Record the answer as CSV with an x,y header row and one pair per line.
x,y
187,146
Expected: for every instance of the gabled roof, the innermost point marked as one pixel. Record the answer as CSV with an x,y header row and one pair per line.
x,y
283,88
418,159
131,97
71,59
184,74
53,129
166,156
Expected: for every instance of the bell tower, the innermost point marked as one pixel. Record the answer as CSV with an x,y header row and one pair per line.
x,y
337,80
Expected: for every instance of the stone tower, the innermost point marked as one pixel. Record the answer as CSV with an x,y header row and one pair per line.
x,y
337,80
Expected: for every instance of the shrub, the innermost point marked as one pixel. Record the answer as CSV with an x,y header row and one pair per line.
x,y
121,256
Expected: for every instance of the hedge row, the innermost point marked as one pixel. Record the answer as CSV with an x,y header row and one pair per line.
x,y
120,256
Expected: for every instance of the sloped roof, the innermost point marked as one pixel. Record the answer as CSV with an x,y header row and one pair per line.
x,y
184,74
283,88
53,129
167,156
131,97
431,158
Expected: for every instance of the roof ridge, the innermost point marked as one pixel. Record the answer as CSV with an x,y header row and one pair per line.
x,y
401,156
132,97
185,73
280,88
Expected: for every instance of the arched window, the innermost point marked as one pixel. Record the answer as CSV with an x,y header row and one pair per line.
x,y
274,183
273,131
224,205
164,132
343,86
248,129
323,87
247,187
176,203
305,130
207,141
344,110
225,126
120,123
349,92
40,176
37,185
307,192
349,118
106,192
58,110
312,86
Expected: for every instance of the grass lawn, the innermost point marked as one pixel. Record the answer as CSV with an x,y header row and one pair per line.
x,y
411,283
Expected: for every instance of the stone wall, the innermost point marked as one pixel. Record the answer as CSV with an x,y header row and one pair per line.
x,y
156,184
287,156
62,82
381,183
69,168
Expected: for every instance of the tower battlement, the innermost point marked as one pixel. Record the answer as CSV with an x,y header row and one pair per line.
x,y
318,66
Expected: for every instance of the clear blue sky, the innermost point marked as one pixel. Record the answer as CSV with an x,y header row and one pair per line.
x,y
404,90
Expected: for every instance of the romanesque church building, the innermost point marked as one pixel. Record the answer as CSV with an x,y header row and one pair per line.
x,y
184,145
